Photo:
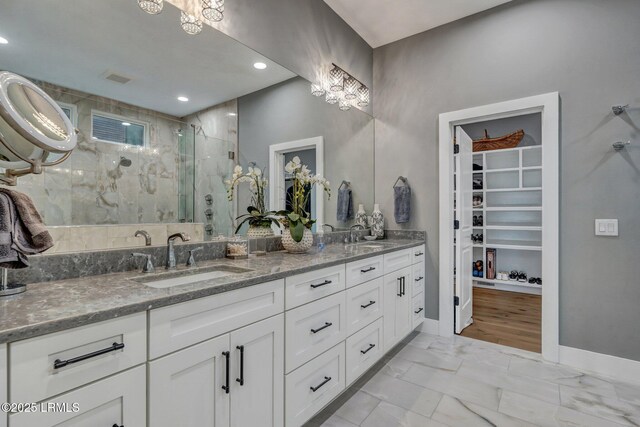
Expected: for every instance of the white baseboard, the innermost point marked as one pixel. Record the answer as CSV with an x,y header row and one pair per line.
x,y
613,367
429,326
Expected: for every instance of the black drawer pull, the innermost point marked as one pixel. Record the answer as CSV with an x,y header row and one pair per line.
x,y
225,387
241,379
326,282
419,310
116,425
316,388
326,325
57,364
368,305
367,270
420,254
368,349
419,278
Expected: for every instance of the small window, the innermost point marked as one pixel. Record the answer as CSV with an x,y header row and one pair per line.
x,y
117,129
70,111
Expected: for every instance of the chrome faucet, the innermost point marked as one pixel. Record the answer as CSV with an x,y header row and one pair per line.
x,y
148,264
147,237
171,255
353,237
330,226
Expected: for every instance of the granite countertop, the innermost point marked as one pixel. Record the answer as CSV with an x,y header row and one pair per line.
x,y
58,305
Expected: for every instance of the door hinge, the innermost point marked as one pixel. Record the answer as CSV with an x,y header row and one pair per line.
x,y
456,301
456,148
456,224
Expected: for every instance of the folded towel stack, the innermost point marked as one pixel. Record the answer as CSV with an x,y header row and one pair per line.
x,y
22,231
345,205
402,203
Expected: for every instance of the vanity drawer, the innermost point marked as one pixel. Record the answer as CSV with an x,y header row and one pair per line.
x,y
417,279
306,287
52,364
178,326
364,270
115,401
364,304
418,253
417,310
3,382
314,385
397,260
314,328
363,349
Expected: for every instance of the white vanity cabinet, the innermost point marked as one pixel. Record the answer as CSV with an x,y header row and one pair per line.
x,y
236,379
397,306
3,382
119,400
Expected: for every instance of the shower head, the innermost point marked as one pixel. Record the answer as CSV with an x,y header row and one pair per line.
x,y
124,162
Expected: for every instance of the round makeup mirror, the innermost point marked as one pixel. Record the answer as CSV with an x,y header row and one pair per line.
x,y
34,131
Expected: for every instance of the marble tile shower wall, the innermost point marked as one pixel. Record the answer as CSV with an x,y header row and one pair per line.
x,y
91,188
216,135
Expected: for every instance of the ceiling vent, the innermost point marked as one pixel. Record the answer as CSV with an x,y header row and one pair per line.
x,y
117,78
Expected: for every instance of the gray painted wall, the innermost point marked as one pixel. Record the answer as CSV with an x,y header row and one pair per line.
x,y
588,50
288,112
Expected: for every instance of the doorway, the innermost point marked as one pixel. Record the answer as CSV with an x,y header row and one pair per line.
x,y
515,190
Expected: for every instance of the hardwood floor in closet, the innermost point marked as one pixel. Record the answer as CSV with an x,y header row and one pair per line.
x,y
506,318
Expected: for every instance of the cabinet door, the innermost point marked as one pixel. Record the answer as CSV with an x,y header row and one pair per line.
x,y
185,388
397,306
257,381
115,401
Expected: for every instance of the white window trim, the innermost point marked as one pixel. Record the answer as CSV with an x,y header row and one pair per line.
x,y
549,107
74,111
124,119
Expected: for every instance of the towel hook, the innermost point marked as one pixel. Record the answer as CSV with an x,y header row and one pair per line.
x,y
345,183
400,178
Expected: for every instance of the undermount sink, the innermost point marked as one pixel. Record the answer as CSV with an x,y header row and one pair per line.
x,y
363,246
187,277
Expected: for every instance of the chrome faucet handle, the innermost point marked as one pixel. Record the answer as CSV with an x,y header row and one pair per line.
x,y
183,236
191,262
148,265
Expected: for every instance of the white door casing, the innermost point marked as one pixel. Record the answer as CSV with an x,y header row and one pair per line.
x,y
464,245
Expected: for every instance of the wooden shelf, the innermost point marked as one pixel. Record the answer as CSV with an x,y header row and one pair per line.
x,y
515,208
513,227
515,245
510,190
507,282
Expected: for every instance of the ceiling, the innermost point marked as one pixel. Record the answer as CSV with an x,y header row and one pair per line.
x,y
74,43
380,22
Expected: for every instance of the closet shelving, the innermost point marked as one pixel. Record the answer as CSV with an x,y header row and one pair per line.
x,y
512,213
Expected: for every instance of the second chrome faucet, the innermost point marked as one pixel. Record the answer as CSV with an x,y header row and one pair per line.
x,y
171,255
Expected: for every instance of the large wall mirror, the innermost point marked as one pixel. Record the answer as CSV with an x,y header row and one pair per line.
x,y
164,116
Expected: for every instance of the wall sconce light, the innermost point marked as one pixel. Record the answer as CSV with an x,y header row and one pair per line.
x,y
339,87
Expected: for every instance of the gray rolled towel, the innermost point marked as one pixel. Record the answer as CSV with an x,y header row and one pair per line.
x,y
402,203
345,205
10,256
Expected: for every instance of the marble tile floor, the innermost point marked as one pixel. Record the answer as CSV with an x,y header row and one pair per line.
x,y
462,382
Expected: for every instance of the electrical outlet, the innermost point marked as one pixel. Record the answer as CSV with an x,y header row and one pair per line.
x,y
606,227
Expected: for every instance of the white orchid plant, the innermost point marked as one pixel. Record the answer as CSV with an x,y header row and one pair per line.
x,y
304,180
257,214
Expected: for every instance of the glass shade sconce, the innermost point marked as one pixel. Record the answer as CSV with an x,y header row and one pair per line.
x,y
340,87
190,24
213,10
152,7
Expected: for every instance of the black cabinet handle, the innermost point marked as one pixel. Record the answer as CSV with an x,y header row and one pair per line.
x,y
367,270
399,279
419,310
402,286
226,386
419,278
420,254
241,379
326,282
326,325
368,305
316,388
368,349
57,364
116,425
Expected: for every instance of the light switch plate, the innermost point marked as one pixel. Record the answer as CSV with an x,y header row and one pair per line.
x,y
606,227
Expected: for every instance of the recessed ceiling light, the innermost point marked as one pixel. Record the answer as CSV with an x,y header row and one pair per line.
x,y
3,40
260,65
183,99
126,124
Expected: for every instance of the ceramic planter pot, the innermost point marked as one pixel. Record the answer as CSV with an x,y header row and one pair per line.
x,y
294,247
256,232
